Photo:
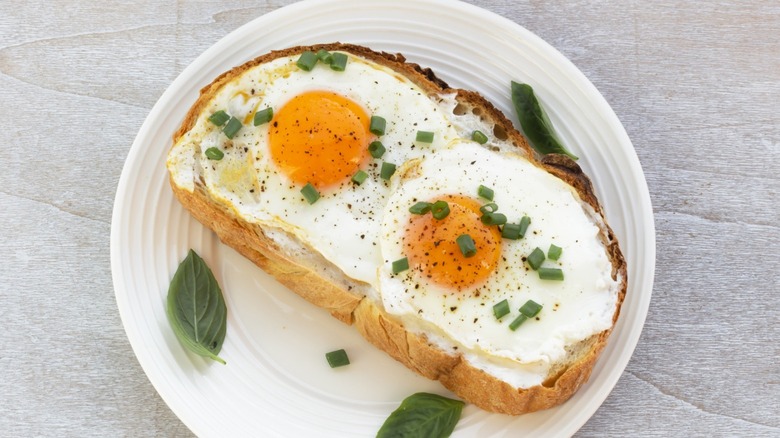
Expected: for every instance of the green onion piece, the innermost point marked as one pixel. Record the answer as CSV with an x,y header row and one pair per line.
x,y
214,153
263,116
551,274
524,223
493,219
377,125
510,231
466,244
531,308
536,258
440,209
339,62
488,208
324,56
337,358
420,208
232,127
310,193
424,136
479,137
388,169
307,61
400,265
376,149
219,118
485,192
501,309
516,323
554,253
359,177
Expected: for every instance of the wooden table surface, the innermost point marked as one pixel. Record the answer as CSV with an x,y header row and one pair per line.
x,y
696,85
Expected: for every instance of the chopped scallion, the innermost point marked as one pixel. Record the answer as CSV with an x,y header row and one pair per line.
x,y
493,219
376,149
339,61
377,125
307,61
501,309
400,265
337,358
424,136
516,323
488,208
554,253
232,127
324,56
440,209
524,223
263,116
485,192
479,137
536,258
310,193
387,170
420,208
214,153
359,177
219,118
551,274
466,244
510,231
531,308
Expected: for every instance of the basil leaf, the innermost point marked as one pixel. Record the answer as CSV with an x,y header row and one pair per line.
x,y
535,123
196,309
423,415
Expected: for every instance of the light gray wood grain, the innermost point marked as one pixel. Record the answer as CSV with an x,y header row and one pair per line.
x,y
696,85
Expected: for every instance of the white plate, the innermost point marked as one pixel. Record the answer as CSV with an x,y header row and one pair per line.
x,y
276,381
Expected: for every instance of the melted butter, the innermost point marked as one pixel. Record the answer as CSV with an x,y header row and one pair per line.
x,y
242,94
237,176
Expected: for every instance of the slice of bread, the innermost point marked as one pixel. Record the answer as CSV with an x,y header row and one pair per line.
x,y
310,275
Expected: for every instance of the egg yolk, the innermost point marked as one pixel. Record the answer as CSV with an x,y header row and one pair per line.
x,y
319,137
431,246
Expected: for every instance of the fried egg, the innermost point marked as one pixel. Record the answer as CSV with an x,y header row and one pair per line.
x,y
319,137
450,297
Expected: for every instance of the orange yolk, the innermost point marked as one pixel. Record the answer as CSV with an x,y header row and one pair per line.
x,y
431,247
319,137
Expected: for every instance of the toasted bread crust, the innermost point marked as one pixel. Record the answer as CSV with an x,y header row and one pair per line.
x,y
384,330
